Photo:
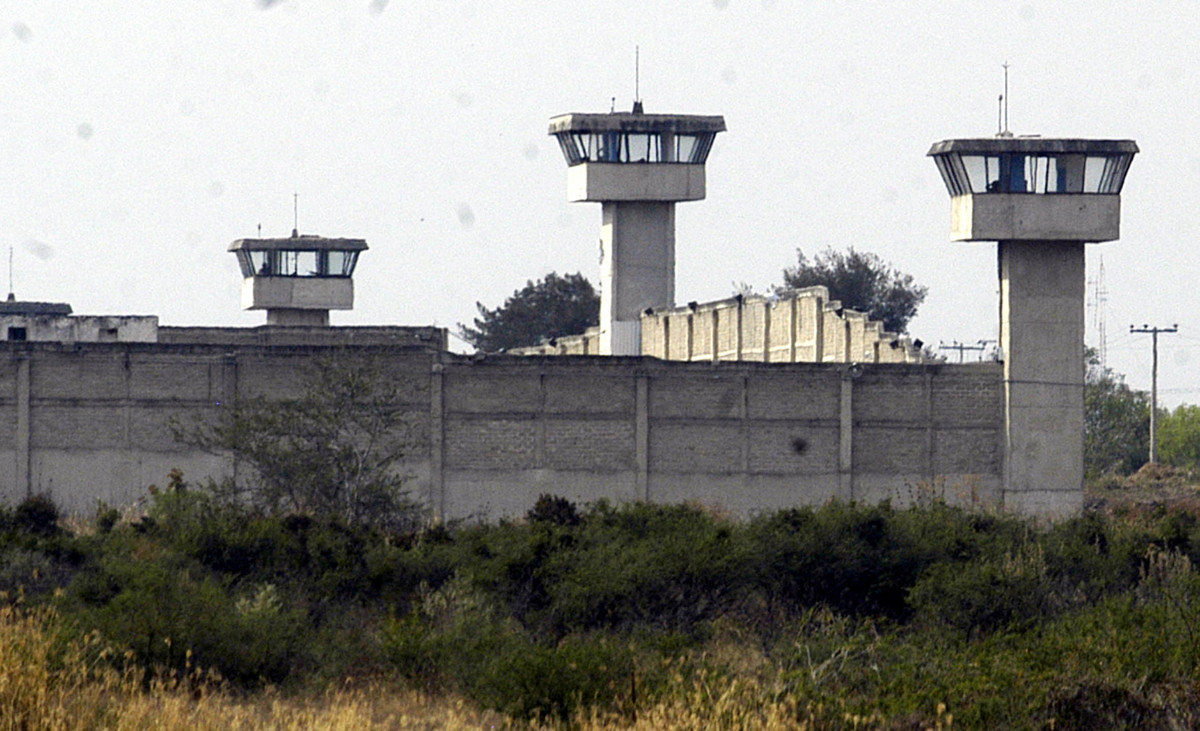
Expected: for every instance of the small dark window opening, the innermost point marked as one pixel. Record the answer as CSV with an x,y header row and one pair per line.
x,y
17,333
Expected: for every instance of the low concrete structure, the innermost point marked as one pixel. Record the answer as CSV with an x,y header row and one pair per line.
x,y
53,322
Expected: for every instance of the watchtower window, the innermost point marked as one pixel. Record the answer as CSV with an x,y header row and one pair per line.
x,y
631,147
17,333
297,263
1038,173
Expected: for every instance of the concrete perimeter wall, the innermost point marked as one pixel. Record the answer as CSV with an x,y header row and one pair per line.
x,y
92,422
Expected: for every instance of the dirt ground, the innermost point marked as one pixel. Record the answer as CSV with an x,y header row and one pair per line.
x,y
1154,487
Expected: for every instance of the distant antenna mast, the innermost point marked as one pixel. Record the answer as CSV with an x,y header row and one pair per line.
x,y
1099,298
11,297
295,215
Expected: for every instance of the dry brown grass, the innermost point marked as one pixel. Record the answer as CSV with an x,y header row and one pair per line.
x,y
710,702
49,684
1153,488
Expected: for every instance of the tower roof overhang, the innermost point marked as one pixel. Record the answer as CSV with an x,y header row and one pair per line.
x,y
299,243
1032,146
637,123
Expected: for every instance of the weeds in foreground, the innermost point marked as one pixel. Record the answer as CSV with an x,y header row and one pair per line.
x,y
50,679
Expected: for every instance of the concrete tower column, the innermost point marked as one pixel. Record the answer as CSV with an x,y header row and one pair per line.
x,y
637,270
1041,200
1042,287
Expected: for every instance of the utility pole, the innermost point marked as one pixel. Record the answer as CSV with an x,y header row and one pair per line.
x,y
1154,331
960,348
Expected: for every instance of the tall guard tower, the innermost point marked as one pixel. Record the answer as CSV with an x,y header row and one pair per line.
x,y
638,166
1041,199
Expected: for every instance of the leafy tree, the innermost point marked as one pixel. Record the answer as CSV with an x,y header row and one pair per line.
x,y
332,451
1116,421
861,281
1179,436
551,307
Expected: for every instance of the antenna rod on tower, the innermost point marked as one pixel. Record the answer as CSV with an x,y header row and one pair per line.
x,y
637,73
1005,97
295,215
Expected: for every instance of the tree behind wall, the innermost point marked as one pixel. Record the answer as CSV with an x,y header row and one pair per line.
x,y
1179,436
551,307
861,281
1116,421
332,450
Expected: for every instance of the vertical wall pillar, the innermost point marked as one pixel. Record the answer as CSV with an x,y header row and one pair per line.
x,y
1042,287
930,430
642,436
767,311
793,328
714,333
437,440
22,445
818,329
229,398
846,437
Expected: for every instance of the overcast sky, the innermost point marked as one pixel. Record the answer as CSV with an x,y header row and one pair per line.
x,y
141,137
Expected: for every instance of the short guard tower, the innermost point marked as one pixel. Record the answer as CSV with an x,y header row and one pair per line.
x,y
1041,199
638,166
298,280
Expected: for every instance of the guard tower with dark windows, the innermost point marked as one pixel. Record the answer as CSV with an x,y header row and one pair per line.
x,y
1041,199
298,280
638,166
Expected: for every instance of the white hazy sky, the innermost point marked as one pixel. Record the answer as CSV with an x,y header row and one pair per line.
x,y
141,137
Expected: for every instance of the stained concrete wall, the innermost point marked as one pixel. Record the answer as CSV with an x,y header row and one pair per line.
x,y
93,422
80,328
802,326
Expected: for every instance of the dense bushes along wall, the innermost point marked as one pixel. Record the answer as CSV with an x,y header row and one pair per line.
x,y
866,610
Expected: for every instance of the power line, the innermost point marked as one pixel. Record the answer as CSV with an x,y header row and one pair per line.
x,y
1154,331
960,347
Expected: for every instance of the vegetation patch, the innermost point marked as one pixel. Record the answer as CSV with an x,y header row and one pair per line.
x,y
634,616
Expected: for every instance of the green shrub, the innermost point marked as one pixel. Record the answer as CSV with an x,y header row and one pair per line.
x,y
666,567
457,641
1091,557
36,515
553,509
174,613
856,559
985,595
